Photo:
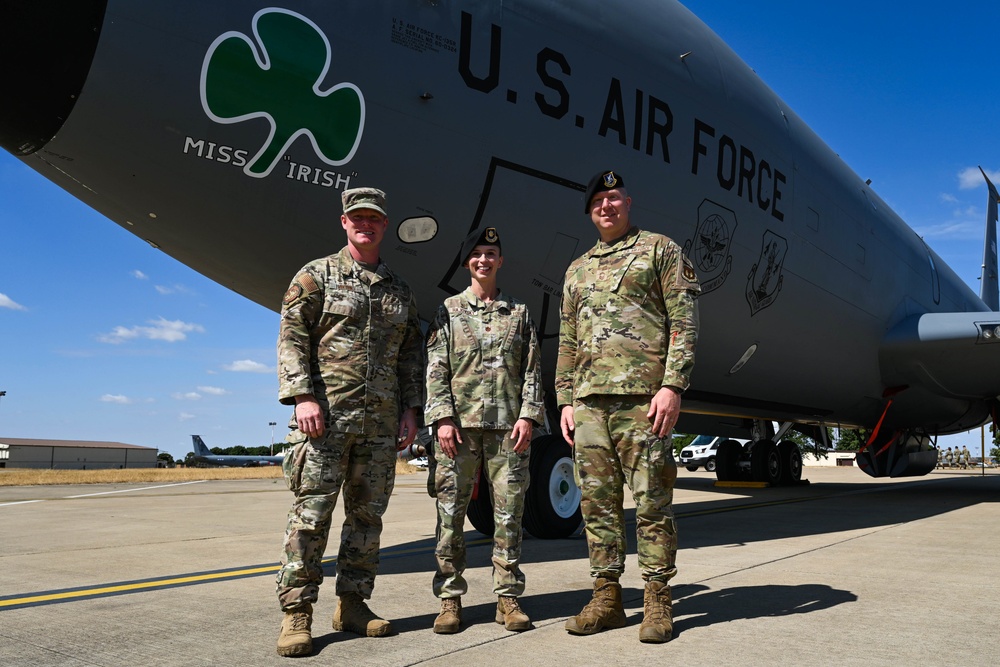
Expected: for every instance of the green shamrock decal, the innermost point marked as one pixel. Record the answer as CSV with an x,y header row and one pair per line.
x,y
281,83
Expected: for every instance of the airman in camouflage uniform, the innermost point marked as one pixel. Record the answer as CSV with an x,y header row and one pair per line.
x,y
626,350
350,360
483,396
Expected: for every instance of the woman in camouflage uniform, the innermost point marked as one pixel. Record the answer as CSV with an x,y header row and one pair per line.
x,y
483,396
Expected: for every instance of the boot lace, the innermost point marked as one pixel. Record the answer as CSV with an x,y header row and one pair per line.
x,y
300,621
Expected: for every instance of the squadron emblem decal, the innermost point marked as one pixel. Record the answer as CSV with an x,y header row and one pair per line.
x,y
709,249
764,281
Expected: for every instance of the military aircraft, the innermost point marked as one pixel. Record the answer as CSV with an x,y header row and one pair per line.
x,y
223,132
204,456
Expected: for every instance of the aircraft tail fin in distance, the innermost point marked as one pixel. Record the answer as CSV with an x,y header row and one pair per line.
x,y
199,446
989,289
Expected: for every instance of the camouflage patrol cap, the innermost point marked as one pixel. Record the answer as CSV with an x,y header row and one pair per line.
x,y
356,198
488,236
605,180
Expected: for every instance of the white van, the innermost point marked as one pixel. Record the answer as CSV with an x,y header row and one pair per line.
x,y
701,452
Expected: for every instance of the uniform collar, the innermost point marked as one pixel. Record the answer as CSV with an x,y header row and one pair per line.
x,y
619,244
470,297
347,266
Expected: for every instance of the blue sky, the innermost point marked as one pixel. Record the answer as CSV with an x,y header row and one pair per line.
x,y
104,338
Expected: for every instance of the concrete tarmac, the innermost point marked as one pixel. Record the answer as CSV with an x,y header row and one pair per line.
x,y
846,571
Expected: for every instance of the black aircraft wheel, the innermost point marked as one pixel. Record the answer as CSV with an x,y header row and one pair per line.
x,y
693,468
481,507
710,464
765,462
727,461
552,505
791,458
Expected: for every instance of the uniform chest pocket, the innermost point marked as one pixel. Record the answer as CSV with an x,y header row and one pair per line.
x,y
634,280
393,309
464,334
343,304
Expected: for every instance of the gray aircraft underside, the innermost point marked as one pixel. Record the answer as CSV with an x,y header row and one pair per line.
x,y
187,127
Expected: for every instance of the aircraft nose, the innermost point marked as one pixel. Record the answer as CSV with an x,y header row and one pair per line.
x,y
46,48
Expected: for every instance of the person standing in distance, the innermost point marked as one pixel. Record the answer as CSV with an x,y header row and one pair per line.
x,y
628,330
484,395
350,359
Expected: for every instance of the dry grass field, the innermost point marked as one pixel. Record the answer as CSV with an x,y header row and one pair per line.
x,y
31,477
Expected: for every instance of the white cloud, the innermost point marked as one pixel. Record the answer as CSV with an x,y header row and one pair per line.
x,y
185,416
140,275
187,396
7,302
214,391
247,366
170,331
176,289
970,178
116,398
949,199
956,229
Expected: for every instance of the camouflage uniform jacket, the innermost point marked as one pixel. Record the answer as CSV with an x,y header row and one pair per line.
x,y
355,346
483,363
629,321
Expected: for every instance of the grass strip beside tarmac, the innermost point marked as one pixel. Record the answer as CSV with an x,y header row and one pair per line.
x,y
36,477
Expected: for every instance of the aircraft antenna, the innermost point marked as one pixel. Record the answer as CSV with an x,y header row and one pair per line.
x,y
989,290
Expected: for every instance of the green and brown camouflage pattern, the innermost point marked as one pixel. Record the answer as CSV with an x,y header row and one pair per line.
x,y
353,341
615,443
365,467
629,319
483,364
454,480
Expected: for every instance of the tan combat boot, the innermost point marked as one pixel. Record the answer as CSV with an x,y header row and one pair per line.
x,y
658,616
296,632
353,615
510,614
450,618
604,610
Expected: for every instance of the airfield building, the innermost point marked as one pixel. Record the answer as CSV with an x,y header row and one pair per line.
x,y
73,454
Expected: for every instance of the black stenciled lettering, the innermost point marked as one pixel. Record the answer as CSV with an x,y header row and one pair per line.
x,y
492,80
657,128
561,108
763,170
637,122
747,165
700,128
614,112
778,178
727,179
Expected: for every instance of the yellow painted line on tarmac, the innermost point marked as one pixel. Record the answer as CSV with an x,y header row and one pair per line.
x,y
69,595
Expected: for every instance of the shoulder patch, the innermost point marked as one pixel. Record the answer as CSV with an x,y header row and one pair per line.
x,y
293,293
687,277
308,283
303,285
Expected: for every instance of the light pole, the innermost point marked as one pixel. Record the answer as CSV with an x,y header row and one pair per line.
x,y
272,425
2,394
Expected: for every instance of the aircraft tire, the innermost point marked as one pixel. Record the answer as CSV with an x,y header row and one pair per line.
x,y
727,461
766,463
480,513
552,504
791,459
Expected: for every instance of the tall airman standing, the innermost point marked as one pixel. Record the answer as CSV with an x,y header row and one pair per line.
x,y
626,350
350,360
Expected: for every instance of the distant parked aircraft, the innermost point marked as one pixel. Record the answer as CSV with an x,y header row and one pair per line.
x,y
202,454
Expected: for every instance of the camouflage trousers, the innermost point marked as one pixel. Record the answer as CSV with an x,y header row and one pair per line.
x,y
454,479
615,445
365,468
